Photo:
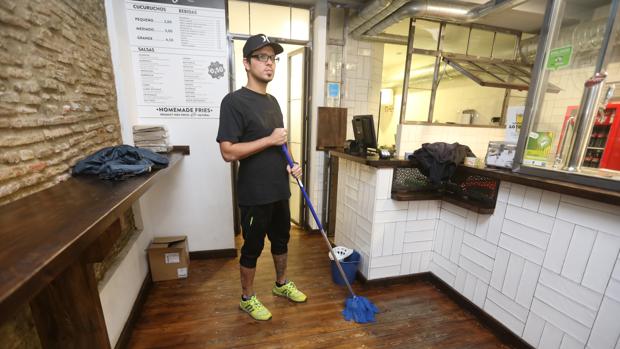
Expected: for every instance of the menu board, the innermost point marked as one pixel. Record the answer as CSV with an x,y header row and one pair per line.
x,y
180,57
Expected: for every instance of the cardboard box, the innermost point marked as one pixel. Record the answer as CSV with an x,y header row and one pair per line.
x,y
168,258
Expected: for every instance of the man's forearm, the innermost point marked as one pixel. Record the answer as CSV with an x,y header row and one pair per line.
x,y
237,151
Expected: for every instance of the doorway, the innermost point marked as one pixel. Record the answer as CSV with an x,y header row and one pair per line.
x,y
296,126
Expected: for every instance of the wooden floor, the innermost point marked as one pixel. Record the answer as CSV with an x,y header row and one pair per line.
x,y
202,311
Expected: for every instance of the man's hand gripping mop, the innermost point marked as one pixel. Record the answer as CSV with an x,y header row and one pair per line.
x,y
358,308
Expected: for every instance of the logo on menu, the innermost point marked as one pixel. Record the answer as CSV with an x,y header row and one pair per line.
x,y
216,70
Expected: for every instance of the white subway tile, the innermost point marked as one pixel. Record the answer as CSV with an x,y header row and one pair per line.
x,y
420,225
606,329
560,320
480,245
471,222
506,318
416,258
386,261
549,203
513,275
384,183
616,272
569,342
454,209
596,205
517,194
601,262
483,225
531,219
473,268
377,239
390,216
414,236
565,305
531,201
496,222
470,286
457,242
448,239
527,284
480,294
551,337
445,264
613,290
533,329
499,268
391,205
503,192
439,234
590,218
525,250
558,245
384,272
459,282
424,210
452,218
405,264
399,237
420,246
388,239
477,257
433,209
578,253
570,289
442,273
412,211
525,234
426,260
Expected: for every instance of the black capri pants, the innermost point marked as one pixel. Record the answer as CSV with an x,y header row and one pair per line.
x,y
273,220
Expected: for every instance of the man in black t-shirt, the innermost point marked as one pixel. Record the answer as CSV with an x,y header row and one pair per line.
x,y
252,131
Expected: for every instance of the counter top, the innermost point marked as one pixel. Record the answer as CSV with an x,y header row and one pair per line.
x,y
558,186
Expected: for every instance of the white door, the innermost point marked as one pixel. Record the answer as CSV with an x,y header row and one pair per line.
x,y
296,111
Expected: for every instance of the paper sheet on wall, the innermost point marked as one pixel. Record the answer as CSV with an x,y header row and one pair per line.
x,y
180,57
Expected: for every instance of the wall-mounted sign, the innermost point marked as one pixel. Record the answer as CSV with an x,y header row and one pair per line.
x,y
514,119
180,57
333,94
559,57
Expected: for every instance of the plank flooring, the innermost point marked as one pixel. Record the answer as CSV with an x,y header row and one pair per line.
x,y
202,311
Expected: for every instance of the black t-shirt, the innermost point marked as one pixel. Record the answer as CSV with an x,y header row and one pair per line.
x,y
246,116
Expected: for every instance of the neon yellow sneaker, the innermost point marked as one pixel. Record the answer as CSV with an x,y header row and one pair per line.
x,y
255,308
290,291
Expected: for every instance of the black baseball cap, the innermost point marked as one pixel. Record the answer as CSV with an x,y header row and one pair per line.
x,y
259,41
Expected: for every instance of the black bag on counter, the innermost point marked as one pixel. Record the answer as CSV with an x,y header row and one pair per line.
x,y
438,161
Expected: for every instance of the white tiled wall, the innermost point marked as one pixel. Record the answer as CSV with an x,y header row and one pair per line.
x,y
393,237
542,265
545,265
411,137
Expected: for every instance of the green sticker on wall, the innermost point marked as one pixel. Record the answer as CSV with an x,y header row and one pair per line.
x,y
559,57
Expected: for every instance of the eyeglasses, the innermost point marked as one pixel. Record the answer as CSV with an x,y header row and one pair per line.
x,y
264,58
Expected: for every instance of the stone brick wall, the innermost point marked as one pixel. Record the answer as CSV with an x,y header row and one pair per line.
x,y
57,104
57,97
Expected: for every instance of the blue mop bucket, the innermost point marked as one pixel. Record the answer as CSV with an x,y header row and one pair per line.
x,y
349,266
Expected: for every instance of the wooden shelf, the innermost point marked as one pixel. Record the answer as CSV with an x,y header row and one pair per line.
x,y
47,233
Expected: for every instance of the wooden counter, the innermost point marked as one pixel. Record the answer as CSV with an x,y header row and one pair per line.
x,y
558,186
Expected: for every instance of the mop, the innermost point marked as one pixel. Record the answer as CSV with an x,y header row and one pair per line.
x,y
356,308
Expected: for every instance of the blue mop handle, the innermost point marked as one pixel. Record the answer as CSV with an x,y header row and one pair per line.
x,y
301,186
317,220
